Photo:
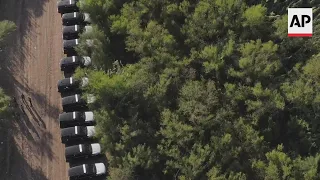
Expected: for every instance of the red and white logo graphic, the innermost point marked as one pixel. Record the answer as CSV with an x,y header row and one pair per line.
x,y
300,22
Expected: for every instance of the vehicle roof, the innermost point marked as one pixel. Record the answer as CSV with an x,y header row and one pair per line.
x,y
70,131
66,116
71,99
71,29
69,116
67,3
71,15
70,60
78,170
70,43
68,82
73,150
65,81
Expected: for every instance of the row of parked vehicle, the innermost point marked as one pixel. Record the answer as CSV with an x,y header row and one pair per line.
x,y
77,121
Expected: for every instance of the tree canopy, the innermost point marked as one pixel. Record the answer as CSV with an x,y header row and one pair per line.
x,y
6,27
4,105
207,89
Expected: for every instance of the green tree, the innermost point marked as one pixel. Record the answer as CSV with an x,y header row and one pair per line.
x,y
208,89
6,27
4,105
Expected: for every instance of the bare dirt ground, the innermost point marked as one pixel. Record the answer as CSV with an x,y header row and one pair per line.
x,y
30,65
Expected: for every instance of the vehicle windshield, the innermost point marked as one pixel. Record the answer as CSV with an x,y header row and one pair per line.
x,y
92,168
82,116
76,82
82,60
87,148
82,16
83,130
82,101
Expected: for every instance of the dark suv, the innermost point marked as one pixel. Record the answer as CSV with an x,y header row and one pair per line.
x,y
76,118
77,103
72,32
69,46
74,18
72,84
87,171
77,133
72,62
67,6
73,103
82,151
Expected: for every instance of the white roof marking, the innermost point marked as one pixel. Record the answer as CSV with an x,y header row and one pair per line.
x,y
84,168
80,147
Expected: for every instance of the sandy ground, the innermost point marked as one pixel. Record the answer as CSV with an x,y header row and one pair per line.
x,y
29,64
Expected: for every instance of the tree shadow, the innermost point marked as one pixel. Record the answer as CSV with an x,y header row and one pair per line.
x,y
25,170
10,84
23,13
39,137
35,115
12,57
35,7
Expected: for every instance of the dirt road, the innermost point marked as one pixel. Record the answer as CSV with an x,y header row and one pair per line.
x,y
30,65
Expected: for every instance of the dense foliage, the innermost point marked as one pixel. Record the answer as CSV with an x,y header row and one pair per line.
x,y
4,105
206,89
6,27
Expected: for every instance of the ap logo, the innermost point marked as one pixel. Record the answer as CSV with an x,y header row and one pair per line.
x,y
300,22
